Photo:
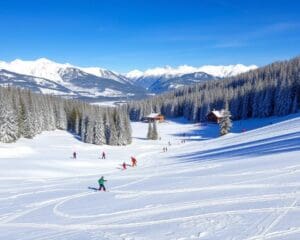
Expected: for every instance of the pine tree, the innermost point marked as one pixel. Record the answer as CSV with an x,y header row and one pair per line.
x,y
113,138
263,92
25,114
89,132
154,131
150,132
61,117
225,123
294,105
8,124
83,128
28,123
127,127
77,124
99,131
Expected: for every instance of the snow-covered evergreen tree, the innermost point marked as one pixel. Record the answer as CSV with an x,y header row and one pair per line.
x,y
99,131
29,123
154,131
83,128
267,91
150,131
77,124
89,131
25,114
295,104
61,116
225,123
8,125
113,135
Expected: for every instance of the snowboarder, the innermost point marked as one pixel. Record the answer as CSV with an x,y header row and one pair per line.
x,y
101,182
124,166
74,155
103,155
133,162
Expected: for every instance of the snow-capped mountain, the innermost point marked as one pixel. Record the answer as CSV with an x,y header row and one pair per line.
x,y
73,81
164,84
45,68
36,84
94,83
150,76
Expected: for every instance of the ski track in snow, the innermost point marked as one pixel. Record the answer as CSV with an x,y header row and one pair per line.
x,y
164,197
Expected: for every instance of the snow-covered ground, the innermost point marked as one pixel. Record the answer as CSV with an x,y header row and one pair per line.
x,y
245,185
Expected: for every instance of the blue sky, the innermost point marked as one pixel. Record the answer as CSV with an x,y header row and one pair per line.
x,y
126,35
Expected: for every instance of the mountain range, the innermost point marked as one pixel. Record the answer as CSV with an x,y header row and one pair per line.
x,y
98,84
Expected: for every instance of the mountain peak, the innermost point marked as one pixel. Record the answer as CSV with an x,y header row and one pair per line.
x,y
134,74
44,60
215,70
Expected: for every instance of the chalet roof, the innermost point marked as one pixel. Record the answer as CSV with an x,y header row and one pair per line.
x,y
153,115
218,113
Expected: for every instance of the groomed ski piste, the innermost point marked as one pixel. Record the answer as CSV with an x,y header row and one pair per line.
x,y
245,185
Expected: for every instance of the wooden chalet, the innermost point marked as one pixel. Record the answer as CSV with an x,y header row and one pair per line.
x,y
154,117
215,116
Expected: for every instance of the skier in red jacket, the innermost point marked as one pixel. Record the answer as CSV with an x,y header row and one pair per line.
x,y
124,165
133,161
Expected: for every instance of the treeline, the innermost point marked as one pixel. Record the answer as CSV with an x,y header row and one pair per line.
x,y
26,114
267,91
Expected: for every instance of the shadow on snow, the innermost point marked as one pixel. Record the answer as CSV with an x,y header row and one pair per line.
x,y
280,144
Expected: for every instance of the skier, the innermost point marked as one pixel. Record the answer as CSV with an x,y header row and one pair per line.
x,y
103,155
101,182
169,143
74,155
164,149
124,165
133,161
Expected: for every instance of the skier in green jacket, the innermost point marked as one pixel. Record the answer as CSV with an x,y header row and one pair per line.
x,y
101,182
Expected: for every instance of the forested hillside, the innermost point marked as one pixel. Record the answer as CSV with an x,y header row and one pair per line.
x,y
267,91
25,114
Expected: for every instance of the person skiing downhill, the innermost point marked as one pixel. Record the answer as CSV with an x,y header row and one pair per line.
x,y
103,155
124,166
74,155
101,182
133,161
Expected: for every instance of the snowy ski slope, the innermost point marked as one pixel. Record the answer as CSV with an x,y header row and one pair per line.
x,y
245,185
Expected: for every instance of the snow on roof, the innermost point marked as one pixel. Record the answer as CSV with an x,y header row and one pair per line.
x,y
153,115
218,113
